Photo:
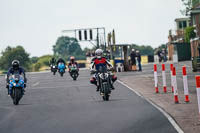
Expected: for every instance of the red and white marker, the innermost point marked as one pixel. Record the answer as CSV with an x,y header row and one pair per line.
x,y
175,86
156,78
164,78
185,84
171,68
198,91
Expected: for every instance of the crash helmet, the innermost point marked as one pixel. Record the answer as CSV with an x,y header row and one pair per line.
x,y
15,64
72,58
99,53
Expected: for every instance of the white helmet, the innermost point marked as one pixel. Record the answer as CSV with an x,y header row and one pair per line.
x,y
99,52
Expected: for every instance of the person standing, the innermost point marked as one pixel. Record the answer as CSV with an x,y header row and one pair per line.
x,y
139,60
133,60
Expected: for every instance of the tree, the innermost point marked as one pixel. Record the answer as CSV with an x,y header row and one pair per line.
x,y
34,59
144,50
42,61
15,53
188,6
189,34
66,46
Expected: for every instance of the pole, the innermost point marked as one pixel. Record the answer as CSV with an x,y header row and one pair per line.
x,y
175,86
198,91
105,38
185,84
164,79
156,78
97,37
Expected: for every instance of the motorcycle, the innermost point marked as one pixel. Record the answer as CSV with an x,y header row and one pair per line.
x,y
74,72
104,83
16,87
53,69
61,69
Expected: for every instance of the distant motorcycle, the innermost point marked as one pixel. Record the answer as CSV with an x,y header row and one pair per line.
x,y
53,69
103,77
74,72
61,69
16,87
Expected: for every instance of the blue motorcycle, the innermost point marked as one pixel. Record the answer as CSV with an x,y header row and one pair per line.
x,y
16,87
61,69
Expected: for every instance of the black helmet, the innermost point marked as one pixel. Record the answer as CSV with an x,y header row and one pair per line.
x,y
15,64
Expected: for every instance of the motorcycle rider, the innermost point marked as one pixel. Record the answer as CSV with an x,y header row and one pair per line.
x,y
72,62
52,61
60,60
15,69
98,61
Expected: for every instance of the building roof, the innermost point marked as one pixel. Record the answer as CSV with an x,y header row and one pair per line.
x,y
182,19
196,10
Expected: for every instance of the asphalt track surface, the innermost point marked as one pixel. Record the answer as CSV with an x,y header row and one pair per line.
x,y
55,104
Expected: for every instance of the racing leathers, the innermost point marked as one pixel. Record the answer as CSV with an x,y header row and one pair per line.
x,y
95,64
12,71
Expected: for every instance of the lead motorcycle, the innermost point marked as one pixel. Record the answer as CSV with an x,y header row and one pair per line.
x,y
61,69
74,71
54,69
103,77
16,87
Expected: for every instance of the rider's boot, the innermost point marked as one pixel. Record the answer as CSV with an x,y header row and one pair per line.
x,y
93,81
113,88
97,88
114,78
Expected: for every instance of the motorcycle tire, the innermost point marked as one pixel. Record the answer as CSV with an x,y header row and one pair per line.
x,y
106,92
17,96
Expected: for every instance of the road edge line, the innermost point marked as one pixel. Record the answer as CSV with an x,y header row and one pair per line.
x,y
170,119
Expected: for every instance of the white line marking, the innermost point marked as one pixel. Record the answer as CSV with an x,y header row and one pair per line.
x,y
37,83
171,120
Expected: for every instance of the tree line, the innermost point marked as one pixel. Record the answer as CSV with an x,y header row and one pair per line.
x,y
64,47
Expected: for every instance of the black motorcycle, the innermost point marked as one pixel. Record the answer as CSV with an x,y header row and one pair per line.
x,y
104,83
74,72
16,87
54,69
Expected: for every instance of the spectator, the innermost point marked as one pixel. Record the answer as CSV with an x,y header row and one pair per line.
x,y
164,54
139,60
159,56
133,55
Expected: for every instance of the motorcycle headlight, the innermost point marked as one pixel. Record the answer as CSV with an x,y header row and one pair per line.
x,y
14,84
103,76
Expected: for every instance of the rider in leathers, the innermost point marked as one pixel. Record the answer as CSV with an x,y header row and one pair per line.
x,y
98,61
15,69
72,62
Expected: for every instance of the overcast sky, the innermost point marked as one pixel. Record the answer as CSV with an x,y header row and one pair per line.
x,y
36,24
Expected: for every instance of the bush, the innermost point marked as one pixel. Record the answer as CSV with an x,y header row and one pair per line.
x,y
189,34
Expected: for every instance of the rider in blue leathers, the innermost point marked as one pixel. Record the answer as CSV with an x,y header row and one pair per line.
x,y
15,69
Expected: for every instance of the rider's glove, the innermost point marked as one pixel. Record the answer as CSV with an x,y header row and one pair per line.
x,y
7,86
25,85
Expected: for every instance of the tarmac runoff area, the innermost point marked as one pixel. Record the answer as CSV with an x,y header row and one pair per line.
x,y
186,115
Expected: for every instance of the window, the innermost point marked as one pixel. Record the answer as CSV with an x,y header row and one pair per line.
x,y
182,24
